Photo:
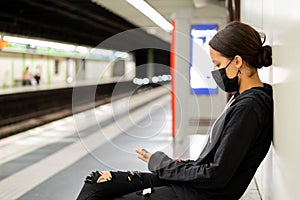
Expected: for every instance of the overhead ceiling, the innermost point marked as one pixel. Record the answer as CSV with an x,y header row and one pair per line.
x,y
73,21
167,8
87,22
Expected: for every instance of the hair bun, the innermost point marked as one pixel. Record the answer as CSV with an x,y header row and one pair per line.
x,y
265,57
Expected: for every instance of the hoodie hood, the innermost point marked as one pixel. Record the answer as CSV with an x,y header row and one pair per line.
x,y
263,96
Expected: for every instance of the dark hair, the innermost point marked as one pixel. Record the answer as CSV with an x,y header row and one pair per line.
x,y
237,38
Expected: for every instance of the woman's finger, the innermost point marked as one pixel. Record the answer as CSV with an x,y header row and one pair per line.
x,y
138,151
141,152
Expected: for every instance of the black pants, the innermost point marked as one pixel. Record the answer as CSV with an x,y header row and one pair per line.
x,y
126,185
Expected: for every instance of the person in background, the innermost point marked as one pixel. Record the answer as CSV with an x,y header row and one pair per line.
x,y
37,75
238,142
26,78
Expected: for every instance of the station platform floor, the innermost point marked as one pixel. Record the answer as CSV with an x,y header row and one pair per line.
x,y
51,162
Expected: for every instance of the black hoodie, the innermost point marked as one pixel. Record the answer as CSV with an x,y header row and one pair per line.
x,y
240,140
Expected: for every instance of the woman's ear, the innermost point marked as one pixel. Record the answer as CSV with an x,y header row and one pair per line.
x,y
238,61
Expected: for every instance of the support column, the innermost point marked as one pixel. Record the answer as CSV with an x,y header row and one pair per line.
x,y
13,73
48,70
150,63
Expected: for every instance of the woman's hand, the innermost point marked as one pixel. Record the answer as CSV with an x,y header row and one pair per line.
x,y
143,154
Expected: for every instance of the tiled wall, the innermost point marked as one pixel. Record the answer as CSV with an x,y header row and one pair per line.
x,y
279,176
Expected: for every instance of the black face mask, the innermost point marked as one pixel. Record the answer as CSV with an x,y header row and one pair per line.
x,y
225,83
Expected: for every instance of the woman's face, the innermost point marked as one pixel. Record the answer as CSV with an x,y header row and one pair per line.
x,y
222,62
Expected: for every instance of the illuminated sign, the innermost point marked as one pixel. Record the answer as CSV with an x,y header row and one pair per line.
x,y
3,44
201,81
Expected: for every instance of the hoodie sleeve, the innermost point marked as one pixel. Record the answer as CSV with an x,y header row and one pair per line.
x,y
234,142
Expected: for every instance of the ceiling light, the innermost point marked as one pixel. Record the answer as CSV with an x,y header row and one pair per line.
x,y
103,52
82,49
152,14
39,43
